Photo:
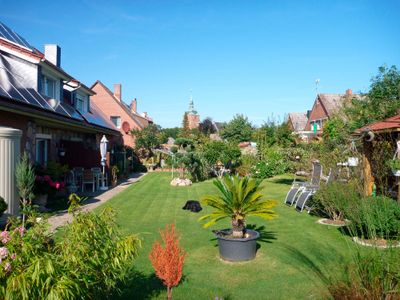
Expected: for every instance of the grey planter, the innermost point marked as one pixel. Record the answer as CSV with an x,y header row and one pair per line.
x,y
236,249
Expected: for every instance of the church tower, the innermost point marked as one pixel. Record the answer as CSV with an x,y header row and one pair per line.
x,y
193,117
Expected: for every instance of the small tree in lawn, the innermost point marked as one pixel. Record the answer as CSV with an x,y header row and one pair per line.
x,y
25,179
168,260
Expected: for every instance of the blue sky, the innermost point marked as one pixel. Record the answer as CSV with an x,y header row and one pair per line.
x,y
258,58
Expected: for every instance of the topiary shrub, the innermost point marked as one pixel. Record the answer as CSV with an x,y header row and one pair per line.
x,y
3,206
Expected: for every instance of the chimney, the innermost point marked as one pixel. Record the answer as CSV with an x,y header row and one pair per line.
x,y
52,53
349,92
117,91
134,106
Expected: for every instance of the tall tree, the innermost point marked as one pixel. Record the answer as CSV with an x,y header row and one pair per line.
x,y
207,126
239,129
185,125
148,138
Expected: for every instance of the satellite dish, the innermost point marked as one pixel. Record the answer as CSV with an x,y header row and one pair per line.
x,y
126,127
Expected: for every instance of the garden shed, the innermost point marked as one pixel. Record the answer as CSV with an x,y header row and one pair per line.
x,y
380,148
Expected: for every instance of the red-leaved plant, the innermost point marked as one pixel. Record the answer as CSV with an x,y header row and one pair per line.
x,y
168,260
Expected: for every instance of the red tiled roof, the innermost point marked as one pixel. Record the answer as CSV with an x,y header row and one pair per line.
x,y
35,54
387,124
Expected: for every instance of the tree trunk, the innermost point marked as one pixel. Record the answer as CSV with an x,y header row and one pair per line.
x,y
238,228
169,293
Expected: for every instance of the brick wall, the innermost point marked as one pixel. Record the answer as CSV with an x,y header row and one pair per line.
x,y
317,112
110,107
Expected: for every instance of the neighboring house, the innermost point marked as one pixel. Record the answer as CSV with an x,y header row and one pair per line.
x,y
325,106
124,117
297,121
51,108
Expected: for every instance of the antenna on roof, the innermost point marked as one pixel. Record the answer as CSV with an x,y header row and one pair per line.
x,y
316,85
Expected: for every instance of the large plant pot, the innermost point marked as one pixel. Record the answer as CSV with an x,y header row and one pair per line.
x,y
237,249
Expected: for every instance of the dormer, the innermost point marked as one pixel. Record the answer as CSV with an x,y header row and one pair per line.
x,y
77,95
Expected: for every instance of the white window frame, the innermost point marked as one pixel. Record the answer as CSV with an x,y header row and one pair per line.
x,y
82,99
117,124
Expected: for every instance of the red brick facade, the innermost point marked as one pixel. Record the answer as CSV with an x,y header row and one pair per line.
x,y
111,105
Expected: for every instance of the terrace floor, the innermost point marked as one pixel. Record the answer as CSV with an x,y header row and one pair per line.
x,y
295,257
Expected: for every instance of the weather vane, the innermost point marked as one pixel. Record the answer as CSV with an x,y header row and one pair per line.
x,y
316,85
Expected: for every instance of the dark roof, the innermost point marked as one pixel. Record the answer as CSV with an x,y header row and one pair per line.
x,y
299,120
389,124
13,88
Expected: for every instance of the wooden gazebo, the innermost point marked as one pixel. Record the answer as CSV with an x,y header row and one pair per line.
x,y
388,129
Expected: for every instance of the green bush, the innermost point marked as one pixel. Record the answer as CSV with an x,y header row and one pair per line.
x,y
89,261
273,164
335,199
3,206
247,162
372,275
376,217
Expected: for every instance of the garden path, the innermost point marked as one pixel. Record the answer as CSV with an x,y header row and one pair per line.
x,y
93,201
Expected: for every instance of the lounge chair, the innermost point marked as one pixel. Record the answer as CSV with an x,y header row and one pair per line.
x,y
299,187
307,193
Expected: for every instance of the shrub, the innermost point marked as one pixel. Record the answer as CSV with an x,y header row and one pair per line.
x,y
335,199
247,162
376,217
3,206
90,260
273,164
372,275
168,260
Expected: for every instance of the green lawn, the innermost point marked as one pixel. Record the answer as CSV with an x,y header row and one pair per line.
x,y
293,259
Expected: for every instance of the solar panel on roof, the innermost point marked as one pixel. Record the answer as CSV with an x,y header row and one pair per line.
x,y
10,35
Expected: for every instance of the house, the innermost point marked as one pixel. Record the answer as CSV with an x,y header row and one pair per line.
x,y
51,108
297,121
325,106
124,117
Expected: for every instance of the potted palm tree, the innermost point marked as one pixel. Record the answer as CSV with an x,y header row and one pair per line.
x,y
239,198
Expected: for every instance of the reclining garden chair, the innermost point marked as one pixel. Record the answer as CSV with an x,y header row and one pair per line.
x,y
299,187
307,192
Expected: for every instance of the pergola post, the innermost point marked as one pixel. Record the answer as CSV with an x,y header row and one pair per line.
x,y
367,171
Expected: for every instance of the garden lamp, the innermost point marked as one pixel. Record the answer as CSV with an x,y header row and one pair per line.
x,y
103,153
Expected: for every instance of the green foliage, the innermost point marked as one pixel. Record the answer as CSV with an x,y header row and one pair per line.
x,y
74,202
147,138
25,178
273,163
185,125
219,151
194,163
247,162
382,100
3,206
239,198
335,200
166,133
239,129
56,170
375,217
89,262
184,142
393,164
273,134
372,275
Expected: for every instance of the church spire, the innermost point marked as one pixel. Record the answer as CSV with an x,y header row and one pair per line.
x,y
191,105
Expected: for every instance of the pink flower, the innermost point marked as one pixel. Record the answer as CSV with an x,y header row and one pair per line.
x,y
14,256
3,252
58,185
7,267
21,230
5,237
46,178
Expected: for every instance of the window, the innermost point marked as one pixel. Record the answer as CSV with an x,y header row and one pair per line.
x,y
42,151
117,121
80,104
48,87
